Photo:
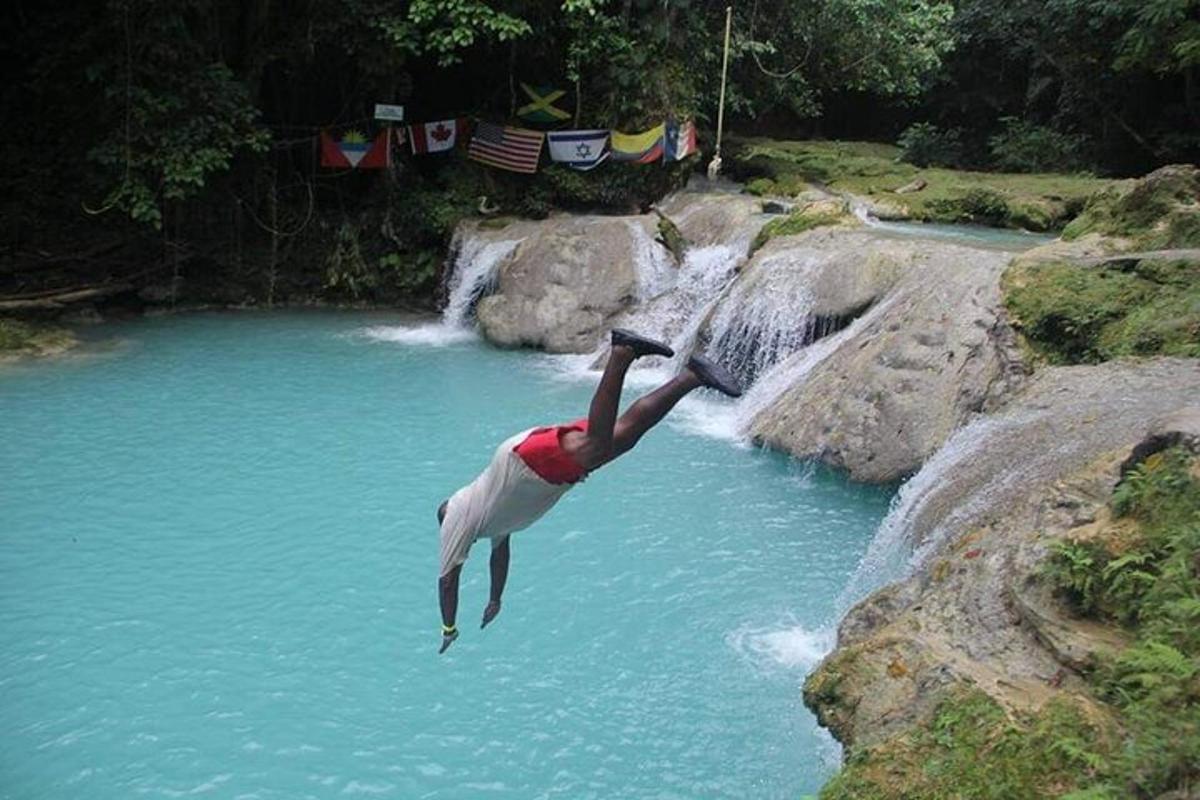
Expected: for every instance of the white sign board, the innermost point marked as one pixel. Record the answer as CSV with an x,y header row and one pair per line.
x,y
391,113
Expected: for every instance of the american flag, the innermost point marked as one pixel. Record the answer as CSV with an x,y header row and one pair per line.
x,y
514,149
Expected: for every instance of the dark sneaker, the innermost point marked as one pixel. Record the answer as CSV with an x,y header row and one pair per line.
x,y
714,376
640,345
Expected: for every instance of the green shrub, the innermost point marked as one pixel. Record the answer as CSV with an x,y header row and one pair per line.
x,y
924,144
972,749
1150,581
796,223
1023,146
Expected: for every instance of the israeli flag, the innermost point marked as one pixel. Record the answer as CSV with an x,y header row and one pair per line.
x,y
578,149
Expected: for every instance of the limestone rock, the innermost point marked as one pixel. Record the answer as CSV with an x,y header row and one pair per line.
x,y
713,218
914,185
565,278
936,352
982,513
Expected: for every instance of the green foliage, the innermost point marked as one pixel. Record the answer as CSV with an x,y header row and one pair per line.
x,y
172,118
924,144
1023,146
445,28
1075,314
1152,582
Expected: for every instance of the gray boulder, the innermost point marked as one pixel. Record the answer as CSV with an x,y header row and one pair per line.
x,y
937,351
568,275
981,515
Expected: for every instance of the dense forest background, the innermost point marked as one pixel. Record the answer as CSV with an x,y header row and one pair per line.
x,y
154,144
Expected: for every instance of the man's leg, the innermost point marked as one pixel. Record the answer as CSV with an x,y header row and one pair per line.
x,y
448,598
595,447
648,410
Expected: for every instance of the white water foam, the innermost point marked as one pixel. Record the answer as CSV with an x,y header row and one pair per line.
x,y
429,334
789,645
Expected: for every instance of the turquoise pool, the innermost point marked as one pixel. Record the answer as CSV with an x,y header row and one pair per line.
x,y
218,560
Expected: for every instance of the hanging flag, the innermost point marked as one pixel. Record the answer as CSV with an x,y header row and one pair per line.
x,y
643,148
578,149
436,137
542,108
680,141
353,151
514,149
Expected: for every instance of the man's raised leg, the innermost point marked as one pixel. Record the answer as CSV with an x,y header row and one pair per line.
x,y
595,448
648,410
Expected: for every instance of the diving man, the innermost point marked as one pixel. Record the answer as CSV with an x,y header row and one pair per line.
x,y
529,472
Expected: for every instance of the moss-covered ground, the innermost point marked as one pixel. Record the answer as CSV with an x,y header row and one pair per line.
x,y
972,748
801,220
1138,735
1030,201
19,338
1073,313
1161,210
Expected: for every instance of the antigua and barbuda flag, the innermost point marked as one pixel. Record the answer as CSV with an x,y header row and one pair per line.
x,y
581,150
436,137
542,109
353,151
643,148
679,141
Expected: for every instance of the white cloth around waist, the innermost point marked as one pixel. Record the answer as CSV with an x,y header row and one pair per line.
x,y
507,496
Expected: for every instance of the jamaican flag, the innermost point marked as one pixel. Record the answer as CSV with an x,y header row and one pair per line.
x,y
542,108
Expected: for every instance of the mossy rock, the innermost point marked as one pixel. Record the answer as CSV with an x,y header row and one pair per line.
x,y
1161,210
21,338
672,238
814,215
973,748
1071,313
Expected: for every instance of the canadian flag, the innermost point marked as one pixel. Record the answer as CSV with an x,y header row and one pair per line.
x,y
435,137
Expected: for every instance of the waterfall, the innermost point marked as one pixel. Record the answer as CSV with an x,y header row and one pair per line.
x,y
930,507
795,369
652,263
676,314
473,273
763,319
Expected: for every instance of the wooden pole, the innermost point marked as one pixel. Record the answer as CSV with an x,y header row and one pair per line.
x,y
714,166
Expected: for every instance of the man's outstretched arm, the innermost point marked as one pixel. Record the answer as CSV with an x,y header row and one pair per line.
x,y
499,565
448,597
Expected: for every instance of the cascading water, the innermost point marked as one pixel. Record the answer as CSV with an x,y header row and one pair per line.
x,y
761,322
676,313
891,553
655,271
474,270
